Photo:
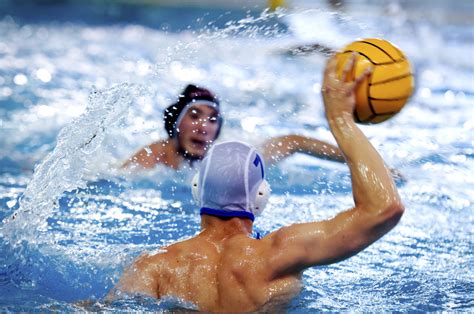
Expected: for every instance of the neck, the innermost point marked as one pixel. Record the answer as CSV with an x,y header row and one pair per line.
x,y
225,227
180,152
172,157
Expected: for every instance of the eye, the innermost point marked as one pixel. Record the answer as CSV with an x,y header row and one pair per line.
x,y
213,119
194,115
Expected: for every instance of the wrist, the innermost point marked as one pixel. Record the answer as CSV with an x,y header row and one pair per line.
x,y
340,119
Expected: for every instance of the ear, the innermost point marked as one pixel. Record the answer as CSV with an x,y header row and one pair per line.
x,y
195,189
261,200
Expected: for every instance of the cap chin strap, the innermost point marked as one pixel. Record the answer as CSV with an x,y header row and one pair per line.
x,y
261,200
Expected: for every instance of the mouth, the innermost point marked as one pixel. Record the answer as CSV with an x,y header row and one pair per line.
x,y
199,143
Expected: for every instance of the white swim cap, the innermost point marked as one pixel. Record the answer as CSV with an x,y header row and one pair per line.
x,y
231,182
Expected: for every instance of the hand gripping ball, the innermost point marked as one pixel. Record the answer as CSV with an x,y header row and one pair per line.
x,y
384,93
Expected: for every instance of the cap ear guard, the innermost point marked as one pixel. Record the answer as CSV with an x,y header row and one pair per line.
x,y
195,189
261,200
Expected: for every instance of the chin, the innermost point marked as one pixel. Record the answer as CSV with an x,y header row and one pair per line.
x,y
196,153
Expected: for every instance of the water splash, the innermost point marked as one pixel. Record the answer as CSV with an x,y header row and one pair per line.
x,y
65,168
248,27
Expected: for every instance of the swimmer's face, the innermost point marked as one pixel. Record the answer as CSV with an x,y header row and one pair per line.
x,y
198,129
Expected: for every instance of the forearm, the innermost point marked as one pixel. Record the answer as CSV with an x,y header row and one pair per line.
x,y
278,148
373,186
317,148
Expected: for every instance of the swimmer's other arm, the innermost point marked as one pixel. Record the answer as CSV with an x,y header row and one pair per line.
x,y
377,209
278,148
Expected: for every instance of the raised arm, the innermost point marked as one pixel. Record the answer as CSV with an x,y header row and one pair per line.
x,y
276,149
377,208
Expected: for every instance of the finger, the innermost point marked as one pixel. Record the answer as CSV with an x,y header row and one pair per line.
x,y
367,72
329,73
349,66
331,66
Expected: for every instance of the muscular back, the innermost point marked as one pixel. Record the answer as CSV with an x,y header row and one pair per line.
x,y
229,274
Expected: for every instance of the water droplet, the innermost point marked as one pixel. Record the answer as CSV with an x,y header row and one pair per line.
x,y
20,79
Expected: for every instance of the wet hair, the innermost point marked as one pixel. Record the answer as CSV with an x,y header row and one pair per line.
x,y
191,93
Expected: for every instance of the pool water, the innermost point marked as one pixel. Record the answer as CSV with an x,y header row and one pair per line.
x,y
78,96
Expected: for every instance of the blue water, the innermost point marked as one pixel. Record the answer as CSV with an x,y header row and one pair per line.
x,y
79,95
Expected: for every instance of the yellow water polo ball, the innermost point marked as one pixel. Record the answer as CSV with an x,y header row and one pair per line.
x,y
386,91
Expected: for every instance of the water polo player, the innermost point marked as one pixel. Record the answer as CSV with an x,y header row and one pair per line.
x,y
223,269
194,122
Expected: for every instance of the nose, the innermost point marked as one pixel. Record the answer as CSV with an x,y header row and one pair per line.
x,y
202,126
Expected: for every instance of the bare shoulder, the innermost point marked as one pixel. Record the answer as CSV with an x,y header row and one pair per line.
x,y
139,277
159,147
244,253
148,264
242,243
154,150
187,250
149,155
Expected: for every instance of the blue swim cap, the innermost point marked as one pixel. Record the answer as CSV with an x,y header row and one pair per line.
x,y
231,181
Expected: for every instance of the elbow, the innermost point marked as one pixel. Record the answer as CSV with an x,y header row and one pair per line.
x,y
391,216
386,218
396,210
